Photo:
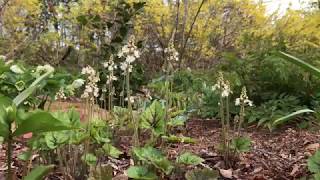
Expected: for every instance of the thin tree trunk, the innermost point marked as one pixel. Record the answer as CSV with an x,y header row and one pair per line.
x,y
189,34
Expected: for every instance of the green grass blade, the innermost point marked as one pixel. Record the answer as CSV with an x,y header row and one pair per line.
x,y
290,116
308,67
27,92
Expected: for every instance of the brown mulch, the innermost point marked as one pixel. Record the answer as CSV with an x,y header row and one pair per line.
x,y
278,155
281,154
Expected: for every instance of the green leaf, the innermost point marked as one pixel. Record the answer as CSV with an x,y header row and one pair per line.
x,y
90,159
189,159
140,172
82,19
314,163
177,121
4,127
179,139
202,174
111,150
5,101
316,176
153,118
290,116
39,172
241,144
25,156
54,139
308,67
39,122
27,92
153,156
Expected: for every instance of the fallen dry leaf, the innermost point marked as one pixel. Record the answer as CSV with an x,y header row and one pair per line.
x,y
226,173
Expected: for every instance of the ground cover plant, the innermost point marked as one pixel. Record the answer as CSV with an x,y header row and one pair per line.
x,y
130,89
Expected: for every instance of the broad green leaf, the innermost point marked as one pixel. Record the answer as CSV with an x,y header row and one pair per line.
x,y
292,115
39,173
89,158
146,153
111,150
54,139
39,122
241,144
27,92
189,159
153,156
140,172
308,67
153,118
202,174
314,163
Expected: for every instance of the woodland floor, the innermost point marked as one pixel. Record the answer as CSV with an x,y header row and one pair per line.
x,y
281,154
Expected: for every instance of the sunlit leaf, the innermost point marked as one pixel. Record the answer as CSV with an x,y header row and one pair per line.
x,y
189,159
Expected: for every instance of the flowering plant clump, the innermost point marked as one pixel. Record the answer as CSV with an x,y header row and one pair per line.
x,y
223,86
91,89
131,53
110,66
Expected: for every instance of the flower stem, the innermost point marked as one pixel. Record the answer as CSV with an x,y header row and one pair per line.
x,y
9,154
135,137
